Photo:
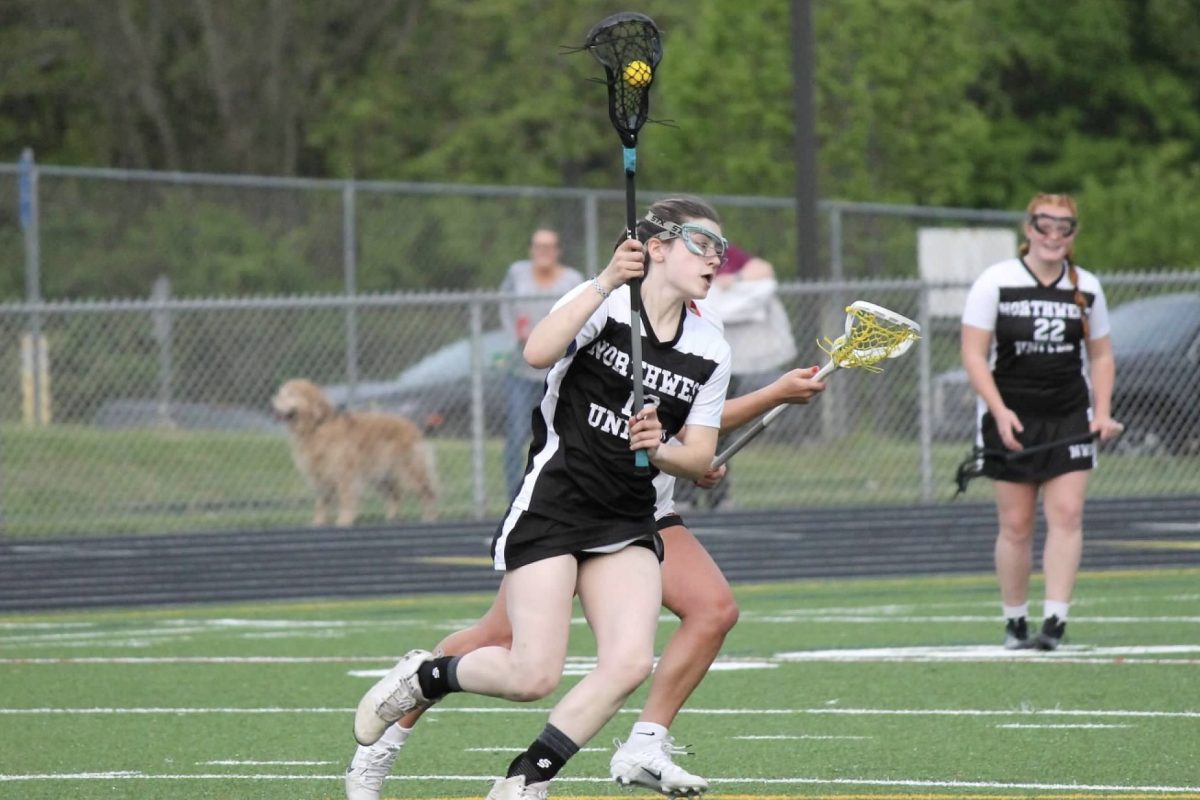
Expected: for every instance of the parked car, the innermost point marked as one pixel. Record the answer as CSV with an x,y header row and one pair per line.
x,y
137,413
1156,343
435,392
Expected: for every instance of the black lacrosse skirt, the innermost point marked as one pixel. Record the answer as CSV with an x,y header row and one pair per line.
x,y
524,537
1046,464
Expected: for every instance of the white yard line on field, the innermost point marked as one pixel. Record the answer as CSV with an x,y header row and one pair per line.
x,y
515,709
581,665
523,749
788,617
975,653
235,763
135,660
1078,726
751,781
799,736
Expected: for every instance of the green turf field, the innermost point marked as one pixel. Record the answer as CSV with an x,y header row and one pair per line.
x,y
916,698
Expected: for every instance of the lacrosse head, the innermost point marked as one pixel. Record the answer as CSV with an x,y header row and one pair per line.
x,y
629,47
873,333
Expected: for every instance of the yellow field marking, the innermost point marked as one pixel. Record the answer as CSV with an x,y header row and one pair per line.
x,y
1148,544
456,561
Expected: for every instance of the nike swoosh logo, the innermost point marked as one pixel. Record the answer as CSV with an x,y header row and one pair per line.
x,y
656,775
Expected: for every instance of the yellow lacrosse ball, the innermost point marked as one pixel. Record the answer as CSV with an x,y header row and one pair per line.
x,y
638,74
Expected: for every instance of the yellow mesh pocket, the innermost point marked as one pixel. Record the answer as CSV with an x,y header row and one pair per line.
x,y
869,340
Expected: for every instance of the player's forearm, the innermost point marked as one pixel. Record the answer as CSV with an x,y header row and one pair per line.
x,y
551,337
688,460
1104,370
980,376
741,410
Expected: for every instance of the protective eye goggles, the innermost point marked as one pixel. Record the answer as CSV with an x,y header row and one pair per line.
x,y
1045,224
696,238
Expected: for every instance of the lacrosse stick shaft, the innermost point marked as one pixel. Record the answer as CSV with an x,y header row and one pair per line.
x,y
763,423
861,346
972,466
641,462
758,427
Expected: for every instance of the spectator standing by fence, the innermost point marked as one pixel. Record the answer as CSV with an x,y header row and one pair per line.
x,y
542,275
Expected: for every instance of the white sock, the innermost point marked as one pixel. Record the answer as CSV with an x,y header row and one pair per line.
x,y
1056,608
644,734
1016,612
394,736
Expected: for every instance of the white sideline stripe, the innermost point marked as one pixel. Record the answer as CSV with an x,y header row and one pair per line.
x,y
201,660
1083,787
1067,653
871,619
1033,659
569,671
908,609
117,711
1085,725
582,665
850,712
800,736
233,763
945,713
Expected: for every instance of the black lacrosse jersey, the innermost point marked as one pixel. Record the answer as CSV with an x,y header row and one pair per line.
x,y
1038,357
580,466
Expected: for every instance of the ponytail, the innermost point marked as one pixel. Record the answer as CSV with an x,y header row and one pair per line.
x,y
1080,300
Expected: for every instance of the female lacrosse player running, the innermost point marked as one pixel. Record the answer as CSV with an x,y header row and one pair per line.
x,y
1033,329
693,589
583,520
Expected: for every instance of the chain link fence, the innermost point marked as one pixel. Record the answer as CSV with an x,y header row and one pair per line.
x,y
154,415
73,232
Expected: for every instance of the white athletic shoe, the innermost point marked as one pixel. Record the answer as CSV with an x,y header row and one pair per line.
x,y
652,767
368,768
514,788
396,694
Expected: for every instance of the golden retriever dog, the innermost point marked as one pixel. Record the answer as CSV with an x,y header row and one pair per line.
x,y
340,452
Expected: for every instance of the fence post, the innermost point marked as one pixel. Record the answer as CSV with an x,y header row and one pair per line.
x,y
162,329
30,219
831,318
837,270
478,474
350,280
591,240
925,392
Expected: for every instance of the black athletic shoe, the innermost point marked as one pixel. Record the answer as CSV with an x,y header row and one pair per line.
x,y
1016,634
1051,634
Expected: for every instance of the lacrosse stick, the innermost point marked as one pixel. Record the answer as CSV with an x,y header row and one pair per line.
x,y
972,466
629,48
873,334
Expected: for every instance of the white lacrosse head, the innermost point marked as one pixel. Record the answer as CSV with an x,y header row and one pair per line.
x,y
885,318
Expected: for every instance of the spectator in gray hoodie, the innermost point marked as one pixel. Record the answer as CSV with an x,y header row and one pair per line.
x,y
540,280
